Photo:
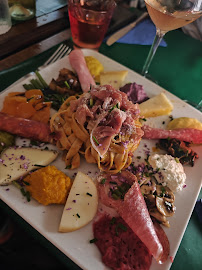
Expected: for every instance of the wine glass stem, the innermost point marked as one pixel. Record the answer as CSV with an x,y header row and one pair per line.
x,y
157,40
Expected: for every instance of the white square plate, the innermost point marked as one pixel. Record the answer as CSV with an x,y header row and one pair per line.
x,y
46,219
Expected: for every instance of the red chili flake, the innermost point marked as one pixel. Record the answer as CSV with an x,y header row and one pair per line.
x,y
69,208
172,259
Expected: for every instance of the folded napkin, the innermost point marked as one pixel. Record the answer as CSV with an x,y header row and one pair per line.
x,y
143,34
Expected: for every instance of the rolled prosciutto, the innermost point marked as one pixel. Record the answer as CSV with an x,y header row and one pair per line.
x,y
78,63
132,208
26,128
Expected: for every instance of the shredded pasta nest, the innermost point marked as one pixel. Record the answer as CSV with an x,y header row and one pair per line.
x,y
75,141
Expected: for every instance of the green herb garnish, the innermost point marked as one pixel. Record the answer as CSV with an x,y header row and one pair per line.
x,y
89,194
93,240
115,106
66,83
103,181
95,140
91,102
78,215
113,221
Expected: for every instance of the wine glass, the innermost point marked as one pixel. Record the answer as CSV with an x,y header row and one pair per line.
x,y
169,15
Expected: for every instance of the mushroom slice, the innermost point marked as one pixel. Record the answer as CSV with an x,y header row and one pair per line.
x,y
150,200
165,207
147,189
165,192
161,218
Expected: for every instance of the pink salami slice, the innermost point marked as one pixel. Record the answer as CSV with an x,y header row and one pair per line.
x,y
25,128
121,249
184,134
163,239
78,63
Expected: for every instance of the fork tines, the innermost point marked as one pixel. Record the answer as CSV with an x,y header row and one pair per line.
x,y
61,51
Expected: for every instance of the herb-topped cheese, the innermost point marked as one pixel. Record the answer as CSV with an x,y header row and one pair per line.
x,y
169,171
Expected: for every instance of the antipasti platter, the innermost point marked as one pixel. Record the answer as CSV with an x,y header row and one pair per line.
x,y
77,245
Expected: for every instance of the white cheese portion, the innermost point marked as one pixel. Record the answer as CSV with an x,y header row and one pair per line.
x,y
81,205
16,162
170,172
113,78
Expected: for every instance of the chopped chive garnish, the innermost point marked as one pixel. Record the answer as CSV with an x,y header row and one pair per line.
x,y
93,240
103,181
115,197
113,183
95,140
115,106
30,98
26,183
78,215
91,102
163,190
177,160
16,184
122,227
68,166
89,194
113,221
66,83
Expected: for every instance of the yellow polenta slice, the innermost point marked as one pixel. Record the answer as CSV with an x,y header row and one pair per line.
x,y
156,106
184,122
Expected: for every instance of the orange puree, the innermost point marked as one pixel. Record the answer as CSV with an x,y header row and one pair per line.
x,y
48,185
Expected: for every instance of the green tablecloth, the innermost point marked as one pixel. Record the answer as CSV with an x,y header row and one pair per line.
x,y
177,68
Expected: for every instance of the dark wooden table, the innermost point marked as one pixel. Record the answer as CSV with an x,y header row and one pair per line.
x,y
30,38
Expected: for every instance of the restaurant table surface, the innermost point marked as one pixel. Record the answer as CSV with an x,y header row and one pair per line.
x,y
178,69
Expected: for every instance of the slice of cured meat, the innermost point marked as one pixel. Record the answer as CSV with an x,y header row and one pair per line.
x,y
184,134
26,128
121,249
163,239
134,211
78,63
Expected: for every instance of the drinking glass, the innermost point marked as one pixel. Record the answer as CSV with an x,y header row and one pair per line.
x,y
89,20
22,10
5,18
169,15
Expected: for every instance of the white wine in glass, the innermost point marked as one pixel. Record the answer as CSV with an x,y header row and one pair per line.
x,y
168,15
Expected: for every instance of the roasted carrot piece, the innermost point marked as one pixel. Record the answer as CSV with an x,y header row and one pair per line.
x,y
34,96
42,112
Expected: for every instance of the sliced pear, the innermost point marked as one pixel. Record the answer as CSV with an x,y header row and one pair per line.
x,y
113,78
156,106
17,162
81,205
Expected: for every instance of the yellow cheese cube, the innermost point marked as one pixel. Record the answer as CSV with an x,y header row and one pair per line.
x,y
156,106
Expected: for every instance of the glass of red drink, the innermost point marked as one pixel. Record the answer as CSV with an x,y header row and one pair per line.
x,y
89,20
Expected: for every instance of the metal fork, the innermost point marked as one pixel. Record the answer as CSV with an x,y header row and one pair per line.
x,y
61,51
